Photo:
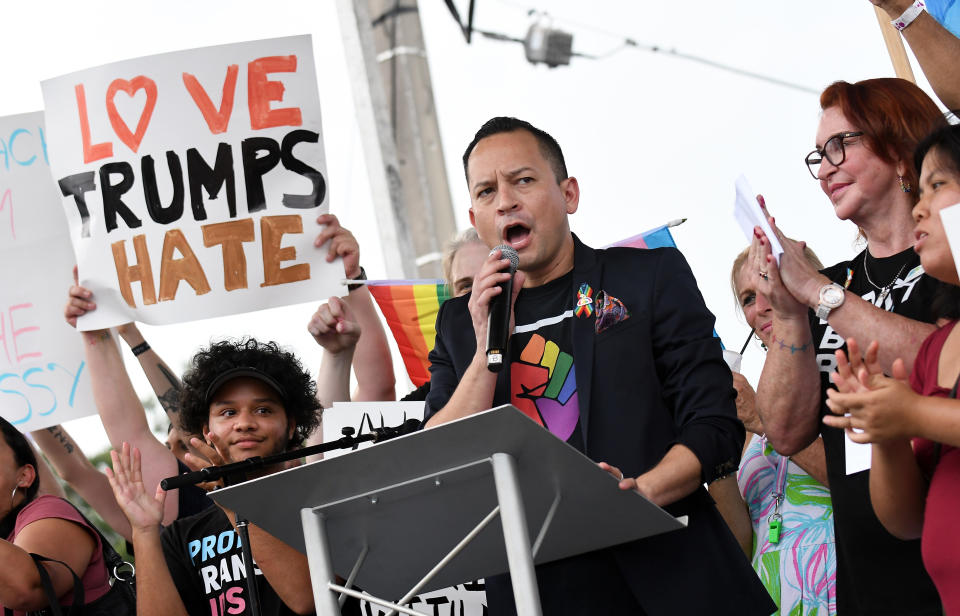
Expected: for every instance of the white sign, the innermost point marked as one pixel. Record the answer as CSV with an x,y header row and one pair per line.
x,y
857,455
950,217
192,181
468,599
43,379
749,215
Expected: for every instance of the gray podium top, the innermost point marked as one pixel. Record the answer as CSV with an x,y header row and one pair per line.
x,y
410,500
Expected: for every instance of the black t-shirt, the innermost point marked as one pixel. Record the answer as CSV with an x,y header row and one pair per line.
x,y
543,381
543,385
877,573
205,559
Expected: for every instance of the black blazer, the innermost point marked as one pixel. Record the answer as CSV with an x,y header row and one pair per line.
x,y
653,380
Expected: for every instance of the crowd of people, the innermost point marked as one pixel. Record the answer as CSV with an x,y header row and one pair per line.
x,y
613,352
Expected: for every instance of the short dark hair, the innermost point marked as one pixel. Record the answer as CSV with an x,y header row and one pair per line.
x,y
549,147
22,455
300,401
945,142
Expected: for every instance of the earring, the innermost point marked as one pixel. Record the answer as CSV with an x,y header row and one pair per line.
x,y
13,495
762,345
904,186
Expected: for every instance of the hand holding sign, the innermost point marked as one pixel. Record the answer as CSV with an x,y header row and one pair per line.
x,y
162,187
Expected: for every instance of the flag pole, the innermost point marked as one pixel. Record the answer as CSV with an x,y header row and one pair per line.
x,y
898,53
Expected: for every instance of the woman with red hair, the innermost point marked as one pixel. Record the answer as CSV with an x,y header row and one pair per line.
x,y
862,159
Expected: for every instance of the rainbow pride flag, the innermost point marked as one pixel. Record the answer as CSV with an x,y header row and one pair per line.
x,y
410,307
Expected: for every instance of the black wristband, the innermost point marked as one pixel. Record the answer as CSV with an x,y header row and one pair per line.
x,y
356,285
140,349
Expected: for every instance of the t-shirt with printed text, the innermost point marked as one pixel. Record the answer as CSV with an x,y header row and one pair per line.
x,y
877,574
205,559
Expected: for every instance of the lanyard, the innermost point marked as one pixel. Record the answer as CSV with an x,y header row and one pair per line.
x,y
776,519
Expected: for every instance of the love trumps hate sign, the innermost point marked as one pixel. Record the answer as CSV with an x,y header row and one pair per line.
x,y
43,377
192,181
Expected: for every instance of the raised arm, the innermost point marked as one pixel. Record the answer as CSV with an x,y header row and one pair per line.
x,y
788,394
935,47
121,413
157,595
372,361
164,381
335,328
75,468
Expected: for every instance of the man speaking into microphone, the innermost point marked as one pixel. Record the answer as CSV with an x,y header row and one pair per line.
x,y
613,352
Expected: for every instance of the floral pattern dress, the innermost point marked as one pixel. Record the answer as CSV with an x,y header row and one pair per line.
x,y
800,570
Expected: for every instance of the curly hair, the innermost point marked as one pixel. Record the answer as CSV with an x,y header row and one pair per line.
x,y
300,401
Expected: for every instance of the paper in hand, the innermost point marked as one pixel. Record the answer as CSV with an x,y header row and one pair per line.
x,y
748,213
950,217
857,455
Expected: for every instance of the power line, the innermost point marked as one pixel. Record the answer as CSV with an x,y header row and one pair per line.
x,y
651,48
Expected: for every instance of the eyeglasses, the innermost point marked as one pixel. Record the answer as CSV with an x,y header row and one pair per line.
x,y
833,150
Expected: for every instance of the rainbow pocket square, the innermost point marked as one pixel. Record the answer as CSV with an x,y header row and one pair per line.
x,y
610,311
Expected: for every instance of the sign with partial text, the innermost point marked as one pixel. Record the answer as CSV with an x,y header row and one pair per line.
x,y
192,180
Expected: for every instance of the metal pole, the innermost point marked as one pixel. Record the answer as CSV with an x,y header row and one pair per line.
x,y
515,535
248,564
318,559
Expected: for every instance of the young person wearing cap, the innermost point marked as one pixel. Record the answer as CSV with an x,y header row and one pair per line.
x,y
246,398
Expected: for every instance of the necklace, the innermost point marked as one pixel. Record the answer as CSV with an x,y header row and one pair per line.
x,y
885,290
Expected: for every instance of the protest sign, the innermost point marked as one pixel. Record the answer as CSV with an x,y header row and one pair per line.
x,y
192,181
43,380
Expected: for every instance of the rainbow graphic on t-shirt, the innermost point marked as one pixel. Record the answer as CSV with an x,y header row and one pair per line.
x,y
543,386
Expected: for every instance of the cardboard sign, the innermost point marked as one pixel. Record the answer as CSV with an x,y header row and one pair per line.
x,y
192,180
43,380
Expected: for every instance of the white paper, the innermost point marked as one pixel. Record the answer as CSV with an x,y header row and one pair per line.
x,y
232,137
857,455
950,217
748,213
43,379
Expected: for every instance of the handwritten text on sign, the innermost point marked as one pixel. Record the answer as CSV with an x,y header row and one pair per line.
x,y
192,180
43,380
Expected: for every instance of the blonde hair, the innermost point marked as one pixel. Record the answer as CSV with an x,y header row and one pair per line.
x,y
460,240
808,253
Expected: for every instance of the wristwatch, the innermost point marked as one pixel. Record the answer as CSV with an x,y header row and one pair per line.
x,y
831,298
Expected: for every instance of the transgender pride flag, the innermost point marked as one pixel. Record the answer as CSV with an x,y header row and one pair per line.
x,y
947,12
410,307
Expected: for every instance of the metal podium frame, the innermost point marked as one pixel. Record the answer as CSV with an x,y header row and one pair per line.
x,y
377,520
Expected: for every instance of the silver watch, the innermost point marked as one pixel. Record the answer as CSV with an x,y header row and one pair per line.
x,y
831,298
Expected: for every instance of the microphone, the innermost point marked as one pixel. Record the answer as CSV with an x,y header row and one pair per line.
x,y
498,319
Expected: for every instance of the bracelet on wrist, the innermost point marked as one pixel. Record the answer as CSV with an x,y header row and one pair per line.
x,y
356,285
140,349
906,18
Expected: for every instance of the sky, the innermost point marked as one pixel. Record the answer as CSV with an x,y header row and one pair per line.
x,y
650,137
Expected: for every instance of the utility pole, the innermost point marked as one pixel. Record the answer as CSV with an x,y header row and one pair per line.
x,y
397,116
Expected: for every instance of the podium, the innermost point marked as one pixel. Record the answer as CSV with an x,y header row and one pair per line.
x,y
468,499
